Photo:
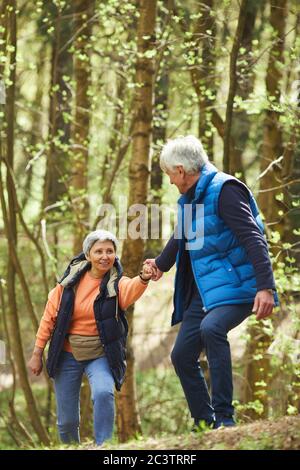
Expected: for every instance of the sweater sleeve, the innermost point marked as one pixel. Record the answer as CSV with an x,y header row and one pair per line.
x,y
234,208
49,317
167,258
130,290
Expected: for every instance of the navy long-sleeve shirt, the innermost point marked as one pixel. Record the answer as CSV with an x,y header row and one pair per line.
x,y
234,209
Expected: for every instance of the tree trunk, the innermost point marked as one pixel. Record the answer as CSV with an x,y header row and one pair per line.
x,y
245,86
258,370
128,422
116,146
203,75
10,223
60,106
197,77
58,171
227,166
154,246
15,421
83,13
272,147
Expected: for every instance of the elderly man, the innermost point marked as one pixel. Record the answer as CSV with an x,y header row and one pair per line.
x,y
222,277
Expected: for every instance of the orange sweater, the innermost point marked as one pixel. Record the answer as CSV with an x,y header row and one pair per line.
x,y
83,319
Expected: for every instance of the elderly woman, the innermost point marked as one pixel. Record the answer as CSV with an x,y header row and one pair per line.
x,y
85,319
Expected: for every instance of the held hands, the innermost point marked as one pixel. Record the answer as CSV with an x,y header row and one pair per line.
x,y
156,273
263,304
146,272
35,365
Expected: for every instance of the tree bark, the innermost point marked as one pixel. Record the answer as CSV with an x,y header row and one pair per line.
x,y
10,223
127,419
233,82
60,105
15,421
83,13
116,144
58,169
203,75
154,246
245,85
272,147
197,77
257,371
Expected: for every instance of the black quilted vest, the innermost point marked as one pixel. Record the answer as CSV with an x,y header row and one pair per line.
x,y
110,319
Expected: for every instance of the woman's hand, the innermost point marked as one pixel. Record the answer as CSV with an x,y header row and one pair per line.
x,y
147,272
35,365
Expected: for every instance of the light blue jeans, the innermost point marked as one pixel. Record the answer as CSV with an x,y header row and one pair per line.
x,y
67,383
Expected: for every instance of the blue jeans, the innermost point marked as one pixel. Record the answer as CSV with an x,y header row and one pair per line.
x,y
207,331
67,382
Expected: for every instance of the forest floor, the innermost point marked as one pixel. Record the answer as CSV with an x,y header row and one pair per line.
x,y
281,434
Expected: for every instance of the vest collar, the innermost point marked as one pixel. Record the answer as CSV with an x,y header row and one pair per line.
x,y
208,172
111,284
76,268
80,265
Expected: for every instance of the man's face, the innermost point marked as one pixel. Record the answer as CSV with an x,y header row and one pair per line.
x,y
178,177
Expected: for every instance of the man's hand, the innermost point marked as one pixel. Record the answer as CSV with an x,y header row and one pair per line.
x,y
263,304
157,274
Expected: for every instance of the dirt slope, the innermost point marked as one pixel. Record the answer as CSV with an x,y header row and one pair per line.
x,y
283,433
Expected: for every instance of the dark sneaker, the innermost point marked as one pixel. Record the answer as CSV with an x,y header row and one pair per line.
x,y
224,420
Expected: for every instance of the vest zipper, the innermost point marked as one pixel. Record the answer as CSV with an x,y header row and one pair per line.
x,y
117,317
201,295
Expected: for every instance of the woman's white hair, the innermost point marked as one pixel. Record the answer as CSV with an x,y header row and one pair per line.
x,y
186,151
98,235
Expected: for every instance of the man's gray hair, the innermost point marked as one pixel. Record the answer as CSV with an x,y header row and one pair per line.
x,y
98,235
186,151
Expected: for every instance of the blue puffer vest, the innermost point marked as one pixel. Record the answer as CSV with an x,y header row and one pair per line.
x,y
110,319
222,271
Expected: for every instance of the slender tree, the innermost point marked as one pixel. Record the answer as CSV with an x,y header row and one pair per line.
x,y
203,74
257,372
57,175
118,146
245,84
202,82
8,17
128,421
159,135
243,15
83,16
272,146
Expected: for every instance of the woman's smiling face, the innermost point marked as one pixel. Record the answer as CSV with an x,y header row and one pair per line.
x,y
102,255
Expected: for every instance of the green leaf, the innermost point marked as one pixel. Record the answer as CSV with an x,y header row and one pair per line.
x,y
150,53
